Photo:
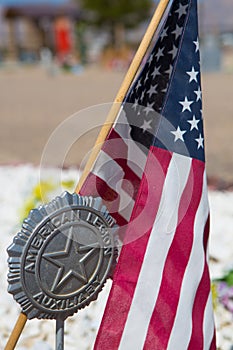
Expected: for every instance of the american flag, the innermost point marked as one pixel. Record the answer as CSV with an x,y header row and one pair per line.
x,y
151,174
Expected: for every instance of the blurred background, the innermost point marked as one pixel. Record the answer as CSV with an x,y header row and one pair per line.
x,y
60,56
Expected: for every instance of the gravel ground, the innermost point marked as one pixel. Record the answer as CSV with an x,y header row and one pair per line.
x,y
17,183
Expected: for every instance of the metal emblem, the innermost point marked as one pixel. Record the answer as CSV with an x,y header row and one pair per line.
x,y
61,258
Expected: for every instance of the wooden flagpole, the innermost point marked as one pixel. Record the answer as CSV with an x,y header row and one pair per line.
x,y
129,77
19,326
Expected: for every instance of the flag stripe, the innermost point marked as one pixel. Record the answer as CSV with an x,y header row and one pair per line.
x,y
117,148
95,186
201,299
191,279
135,153
113,177
146,291
115,172
213,344
208,325
125,153
120,179
176,261
127,270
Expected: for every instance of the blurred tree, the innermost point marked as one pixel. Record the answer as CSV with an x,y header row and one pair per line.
x,y
117,14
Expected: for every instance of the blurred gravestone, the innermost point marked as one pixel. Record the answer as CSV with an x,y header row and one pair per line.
x,y
46,57
211,54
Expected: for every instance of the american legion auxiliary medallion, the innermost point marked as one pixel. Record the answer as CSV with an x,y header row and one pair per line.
x,y
61,258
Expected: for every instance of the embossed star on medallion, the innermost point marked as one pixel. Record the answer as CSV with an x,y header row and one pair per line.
x,y
70,261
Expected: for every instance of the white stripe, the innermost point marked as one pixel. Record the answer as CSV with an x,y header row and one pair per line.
x,y
136,159
193,274
126,204
108,170
208,325
113,176
149,280
121,125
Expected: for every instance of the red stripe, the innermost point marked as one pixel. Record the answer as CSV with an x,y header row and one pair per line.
x,y
206,234
213,344
110,147
177,259
117,149
202,295
96,187
131,186
131,258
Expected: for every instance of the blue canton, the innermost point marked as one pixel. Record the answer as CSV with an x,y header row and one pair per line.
x,y
164,106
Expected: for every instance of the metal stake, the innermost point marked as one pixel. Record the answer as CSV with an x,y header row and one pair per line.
x,y
60,325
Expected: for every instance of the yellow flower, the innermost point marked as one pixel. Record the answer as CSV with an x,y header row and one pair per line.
x,y
28,206
214,295
41,190
68,184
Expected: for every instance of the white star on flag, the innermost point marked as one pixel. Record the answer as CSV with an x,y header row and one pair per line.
x,y
152,90
149,108
146,125
193,123
164,33
198,93
147,77
177,31
173,51
159,54
143,94
186,104
196,43
151,59
182,10
200,141
169,71
156,72
135,105
179,134
138,84
193,75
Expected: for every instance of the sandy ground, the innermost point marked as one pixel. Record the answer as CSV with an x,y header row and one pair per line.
x,y
33,103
